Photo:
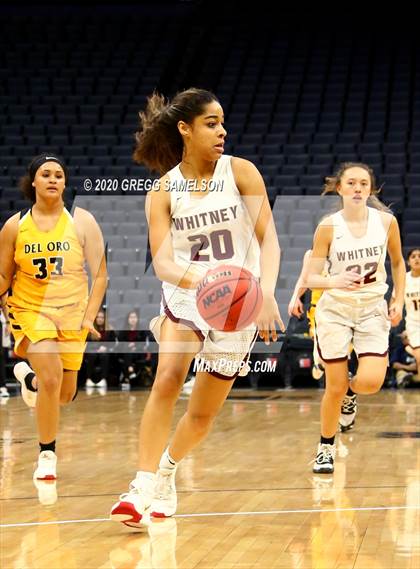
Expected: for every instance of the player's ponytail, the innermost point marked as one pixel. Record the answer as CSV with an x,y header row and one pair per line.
x,y
27,189
159,144
331,183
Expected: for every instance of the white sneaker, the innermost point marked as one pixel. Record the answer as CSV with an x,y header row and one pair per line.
x,y
4,392
47,491
47,466
164,500
20,371
102,383
403,378
133,507
89,383
348,413
324,462
317,372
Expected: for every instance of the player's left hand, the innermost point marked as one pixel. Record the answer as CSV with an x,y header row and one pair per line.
x,y
87,324
296,308
395,312
267,318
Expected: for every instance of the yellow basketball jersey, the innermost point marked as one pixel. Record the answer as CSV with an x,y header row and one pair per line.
x,y
316,295
49,265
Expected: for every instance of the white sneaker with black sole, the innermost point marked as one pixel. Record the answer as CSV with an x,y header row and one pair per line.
x,y
348,413
20,371
324,462
47,466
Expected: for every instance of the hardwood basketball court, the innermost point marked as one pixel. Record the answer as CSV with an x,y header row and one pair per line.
x,y
247,496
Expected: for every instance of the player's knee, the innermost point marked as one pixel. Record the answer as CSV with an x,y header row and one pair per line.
x,y
168,383
369,385
200,422
49,384
337,391
66,398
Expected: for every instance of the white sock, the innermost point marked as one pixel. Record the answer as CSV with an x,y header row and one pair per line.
x,y
167,461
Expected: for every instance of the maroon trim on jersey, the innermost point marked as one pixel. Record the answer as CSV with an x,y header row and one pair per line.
x,y
246,357
331,360
224,377
413,347
373,354
188,323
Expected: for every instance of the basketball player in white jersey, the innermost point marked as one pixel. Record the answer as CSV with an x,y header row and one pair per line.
x,y
354,241
209,209
349,404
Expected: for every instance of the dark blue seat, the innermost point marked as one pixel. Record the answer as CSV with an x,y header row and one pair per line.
x,y
411,239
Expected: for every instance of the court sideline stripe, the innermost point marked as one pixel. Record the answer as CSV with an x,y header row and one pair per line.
x,y
215,514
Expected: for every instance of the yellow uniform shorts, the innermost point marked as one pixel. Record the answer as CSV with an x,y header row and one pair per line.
x,y
62,324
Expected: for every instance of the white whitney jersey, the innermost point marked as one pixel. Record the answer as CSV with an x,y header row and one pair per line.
x,y
365,255
412,298
214,229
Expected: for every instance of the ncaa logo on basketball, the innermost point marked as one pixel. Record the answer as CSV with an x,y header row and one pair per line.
x,y
214,296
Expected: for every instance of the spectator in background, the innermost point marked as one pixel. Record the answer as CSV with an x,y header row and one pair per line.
x,y
99,356
403,364
135,357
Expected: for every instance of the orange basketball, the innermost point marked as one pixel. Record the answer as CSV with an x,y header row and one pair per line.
x,y
229,298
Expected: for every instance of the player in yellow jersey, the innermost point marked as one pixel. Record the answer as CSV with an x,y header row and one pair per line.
x,y
43,252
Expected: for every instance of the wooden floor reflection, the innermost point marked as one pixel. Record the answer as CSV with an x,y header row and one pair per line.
x,y
247,496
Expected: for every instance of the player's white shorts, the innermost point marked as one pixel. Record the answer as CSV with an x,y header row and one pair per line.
x,y
223,354
413,332
338,325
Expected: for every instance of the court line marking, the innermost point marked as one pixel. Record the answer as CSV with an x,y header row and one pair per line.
x,y
220,490
215,514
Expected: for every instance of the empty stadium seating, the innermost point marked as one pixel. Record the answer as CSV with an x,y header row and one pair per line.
x,y
297,103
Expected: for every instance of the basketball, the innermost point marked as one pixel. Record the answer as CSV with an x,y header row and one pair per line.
x,y
229,298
